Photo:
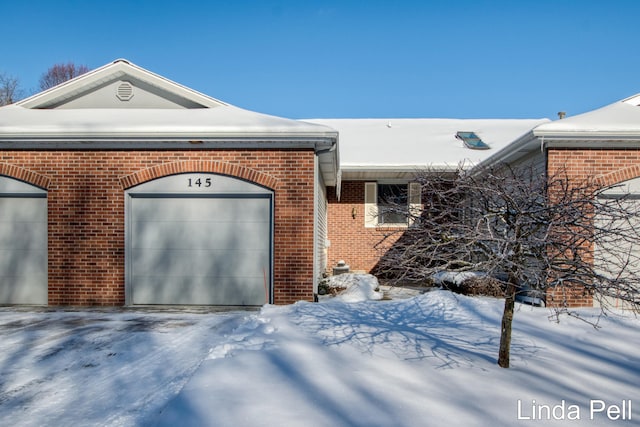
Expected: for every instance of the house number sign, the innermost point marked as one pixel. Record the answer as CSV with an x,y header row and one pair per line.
x,y
199,182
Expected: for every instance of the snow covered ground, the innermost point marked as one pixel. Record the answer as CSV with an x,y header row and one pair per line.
x,y
426,360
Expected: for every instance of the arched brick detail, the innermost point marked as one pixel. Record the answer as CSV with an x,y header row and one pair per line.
x,y
25,175
191,166
620,175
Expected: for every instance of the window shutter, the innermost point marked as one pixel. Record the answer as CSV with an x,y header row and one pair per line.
x,y
415,201
370,204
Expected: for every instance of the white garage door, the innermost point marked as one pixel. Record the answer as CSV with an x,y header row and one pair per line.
x,y
619,253
199,239
23,243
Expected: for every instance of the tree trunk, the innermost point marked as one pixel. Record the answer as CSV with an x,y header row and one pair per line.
x,y
507,321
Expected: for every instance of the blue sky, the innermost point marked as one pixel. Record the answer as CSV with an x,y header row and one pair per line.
x,y
318,59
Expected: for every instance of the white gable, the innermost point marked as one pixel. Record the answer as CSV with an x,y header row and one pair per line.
x,y
119,84
127,92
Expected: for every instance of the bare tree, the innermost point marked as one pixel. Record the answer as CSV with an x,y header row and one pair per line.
x,y
10,90
60,73
528,232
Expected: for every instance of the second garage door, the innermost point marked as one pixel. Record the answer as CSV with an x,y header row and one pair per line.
x,y
618,252
23,243
199,239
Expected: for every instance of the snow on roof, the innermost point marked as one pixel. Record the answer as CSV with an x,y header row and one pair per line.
x,y
620,119
19,124
417,143
86,108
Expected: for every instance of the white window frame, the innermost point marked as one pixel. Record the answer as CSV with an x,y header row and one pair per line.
x,y
371,208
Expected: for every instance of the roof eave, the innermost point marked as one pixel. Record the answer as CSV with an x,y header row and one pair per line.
x,y
590,139
519,148
378,172
228,140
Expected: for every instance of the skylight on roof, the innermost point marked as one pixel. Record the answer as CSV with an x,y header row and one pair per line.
x,y
471,140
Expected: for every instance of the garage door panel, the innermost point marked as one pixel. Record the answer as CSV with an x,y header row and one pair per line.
x,y
24,289
23,209
242,290
197,235
12,262
22,235
200,209
204,262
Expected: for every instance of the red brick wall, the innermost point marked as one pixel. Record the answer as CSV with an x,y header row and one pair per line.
x,y
350,240
568,296
609,167
86,212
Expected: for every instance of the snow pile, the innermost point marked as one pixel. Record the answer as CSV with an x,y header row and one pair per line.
x,y
354,287
243,333
455,277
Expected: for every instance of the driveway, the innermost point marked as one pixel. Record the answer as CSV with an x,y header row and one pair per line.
x,y
125,362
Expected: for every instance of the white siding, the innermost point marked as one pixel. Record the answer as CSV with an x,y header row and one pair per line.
x,y
320,229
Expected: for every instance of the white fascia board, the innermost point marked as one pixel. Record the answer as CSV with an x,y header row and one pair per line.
x,y
592,139
165,141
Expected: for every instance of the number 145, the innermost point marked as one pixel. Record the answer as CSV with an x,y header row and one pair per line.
x,y
199,182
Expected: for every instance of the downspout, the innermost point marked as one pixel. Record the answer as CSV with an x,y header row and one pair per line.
x,y
316,255
334,148
543,150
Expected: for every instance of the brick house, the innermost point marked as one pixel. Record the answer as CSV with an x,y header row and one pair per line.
x,y
122,187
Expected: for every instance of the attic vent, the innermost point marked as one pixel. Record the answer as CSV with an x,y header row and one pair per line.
x,y
471,140
124,91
